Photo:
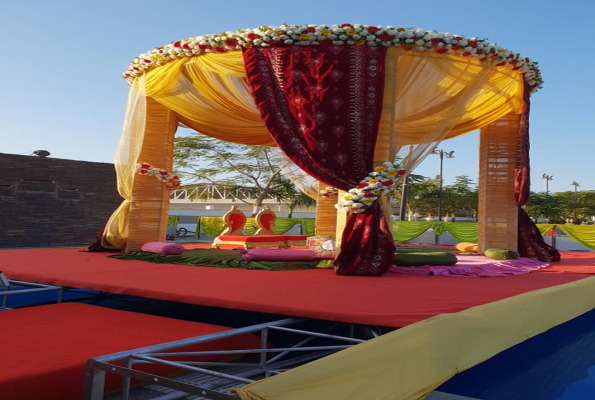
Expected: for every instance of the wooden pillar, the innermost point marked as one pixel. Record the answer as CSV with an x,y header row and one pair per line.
x,y
341,221
498,211
149,205
326,214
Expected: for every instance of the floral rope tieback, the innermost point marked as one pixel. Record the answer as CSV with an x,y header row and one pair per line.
x,y
329,191
373,186
171,180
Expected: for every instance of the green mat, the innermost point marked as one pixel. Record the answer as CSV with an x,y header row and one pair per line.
x,y
216,258
419,249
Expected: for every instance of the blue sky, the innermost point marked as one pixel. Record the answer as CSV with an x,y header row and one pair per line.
x,y
61,85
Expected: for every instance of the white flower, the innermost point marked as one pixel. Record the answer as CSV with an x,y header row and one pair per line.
x,y
290,34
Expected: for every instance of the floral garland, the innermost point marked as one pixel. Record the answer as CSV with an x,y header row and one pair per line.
x,y
171,180
376,184
345,34
329,191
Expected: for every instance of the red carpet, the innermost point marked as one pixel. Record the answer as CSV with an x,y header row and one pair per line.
x,y
391,300
44,349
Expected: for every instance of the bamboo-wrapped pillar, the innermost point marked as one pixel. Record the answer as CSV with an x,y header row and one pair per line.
x,y
498,211
150,198
326,214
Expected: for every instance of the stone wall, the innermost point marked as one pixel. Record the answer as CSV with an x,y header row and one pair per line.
x,y
49,202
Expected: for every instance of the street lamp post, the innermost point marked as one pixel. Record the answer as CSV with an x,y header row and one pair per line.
x,y
575,184
547,178
442,154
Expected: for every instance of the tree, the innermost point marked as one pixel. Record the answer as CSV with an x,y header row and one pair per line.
x,y
397,191
462,195
286,192
227,164
546,206
232,166
423,196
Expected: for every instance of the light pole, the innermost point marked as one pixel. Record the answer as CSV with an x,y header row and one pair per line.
x,y
442,154
405,190
575,184
547,178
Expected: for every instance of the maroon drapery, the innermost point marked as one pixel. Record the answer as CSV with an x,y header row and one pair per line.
x,y
530,241
322,105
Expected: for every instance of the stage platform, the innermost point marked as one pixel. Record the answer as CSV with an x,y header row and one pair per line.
x,y
393,300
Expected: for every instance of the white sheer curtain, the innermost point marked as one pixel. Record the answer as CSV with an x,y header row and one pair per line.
x,y
300,179
127,156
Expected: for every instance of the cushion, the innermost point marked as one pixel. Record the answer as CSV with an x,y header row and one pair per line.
x,y
163,248
276,255
322,246
429,258
467,247
501,254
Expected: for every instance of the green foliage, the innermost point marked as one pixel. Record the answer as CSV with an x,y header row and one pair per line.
x,y
286,192
423,195
233,166
560,206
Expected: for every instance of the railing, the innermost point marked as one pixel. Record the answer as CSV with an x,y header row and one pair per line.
x,y
7,288
267,361
213,192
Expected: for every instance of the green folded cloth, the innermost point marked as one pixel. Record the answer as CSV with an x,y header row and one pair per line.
x,y
424,258
216,258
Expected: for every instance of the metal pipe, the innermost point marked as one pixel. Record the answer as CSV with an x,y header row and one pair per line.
x,y
185,342
196,369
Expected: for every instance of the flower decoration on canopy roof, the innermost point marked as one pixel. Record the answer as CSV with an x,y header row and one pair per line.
x,y
171,180
373,186
345,34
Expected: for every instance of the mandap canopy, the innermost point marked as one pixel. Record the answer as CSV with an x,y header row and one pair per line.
x,y
342,103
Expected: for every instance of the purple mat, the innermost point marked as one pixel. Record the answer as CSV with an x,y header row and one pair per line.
x,y
476,266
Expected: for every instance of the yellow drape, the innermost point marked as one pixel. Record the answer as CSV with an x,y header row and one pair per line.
x,y
211,95
128,152
411,362
431,97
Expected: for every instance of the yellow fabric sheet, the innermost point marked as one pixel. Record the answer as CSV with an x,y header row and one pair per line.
x,y
127,156
210,94
584,234
430,97
411,362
